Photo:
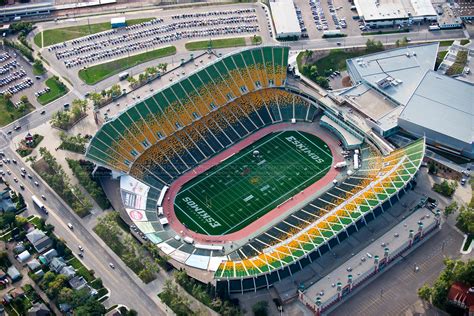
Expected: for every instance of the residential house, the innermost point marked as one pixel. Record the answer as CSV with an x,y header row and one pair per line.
x,y
68,271
57,264
78,283
24,256
6,203
48,256
13,273
39,240
33,265
39,310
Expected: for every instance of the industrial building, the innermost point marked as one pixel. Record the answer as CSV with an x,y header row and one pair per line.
x,y
399,89
284,19
387,13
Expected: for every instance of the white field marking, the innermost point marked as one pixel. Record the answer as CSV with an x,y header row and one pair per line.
x,y
328,167
191,219
218,169
316,145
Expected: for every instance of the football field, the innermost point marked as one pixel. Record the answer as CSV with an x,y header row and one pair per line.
x,y
254,181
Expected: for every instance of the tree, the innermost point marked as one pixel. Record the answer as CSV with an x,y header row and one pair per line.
x,y
96,98
163,67
8,96
151,71
20,221
21,202
56,285
445,188
6,219
323,82
466,220
24,99
424,292
91,307
81,104
115,90
132,80
308,54
432,167
373,46
260,308
450,209
65,295
131,312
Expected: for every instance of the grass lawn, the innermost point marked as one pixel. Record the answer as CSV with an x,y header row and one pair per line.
x,y
464,41
38,71
217,43
8,112
58,89
445,43
35,220
336,60
54,36
235,193
97,73
75,263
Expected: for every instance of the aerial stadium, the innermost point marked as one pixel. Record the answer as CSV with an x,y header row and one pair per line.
x,y
231,171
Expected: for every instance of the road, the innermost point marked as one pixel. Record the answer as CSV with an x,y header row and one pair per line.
x,y
121,281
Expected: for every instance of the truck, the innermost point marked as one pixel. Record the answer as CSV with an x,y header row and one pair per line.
x,y
434,28
123,75
341,164
39,204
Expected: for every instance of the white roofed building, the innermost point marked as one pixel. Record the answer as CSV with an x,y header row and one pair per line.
x,y
380,13
285,19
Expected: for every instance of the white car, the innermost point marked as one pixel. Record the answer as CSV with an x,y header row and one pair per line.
x,y
36,183
70,226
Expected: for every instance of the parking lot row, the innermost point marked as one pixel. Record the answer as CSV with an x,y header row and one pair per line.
x,y
134,36
211,13
155,41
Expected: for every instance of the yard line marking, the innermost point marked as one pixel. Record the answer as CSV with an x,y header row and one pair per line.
x,y
255,213
217,169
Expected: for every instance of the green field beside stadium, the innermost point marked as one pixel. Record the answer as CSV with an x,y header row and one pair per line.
x,y
249,184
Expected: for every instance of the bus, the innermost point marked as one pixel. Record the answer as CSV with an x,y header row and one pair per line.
x,y
39,203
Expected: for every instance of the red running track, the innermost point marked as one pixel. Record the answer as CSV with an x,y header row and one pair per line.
x,y
168,204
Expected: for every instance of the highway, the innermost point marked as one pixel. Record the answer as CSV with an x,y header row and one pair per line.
x,y
121,281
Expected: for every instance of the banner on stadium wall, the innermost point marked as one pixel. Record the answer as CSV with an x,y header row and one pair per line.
x,y
134,192
136,215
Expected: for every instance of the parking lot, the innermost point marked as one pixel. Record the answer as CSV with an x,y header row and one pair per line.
x,y
16,76
175,28
317,16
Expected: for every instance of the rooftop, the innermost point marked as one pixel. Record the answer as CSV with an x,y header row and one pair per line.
x,y
284,17
397,72
450,99
394,9
395,238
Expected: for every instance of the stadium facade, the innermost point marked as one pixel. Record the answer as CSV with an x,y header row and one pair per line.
x,y
153,142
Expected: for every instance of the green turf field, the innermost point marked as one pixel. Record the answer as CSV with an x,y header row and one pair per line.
x,y
248,185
